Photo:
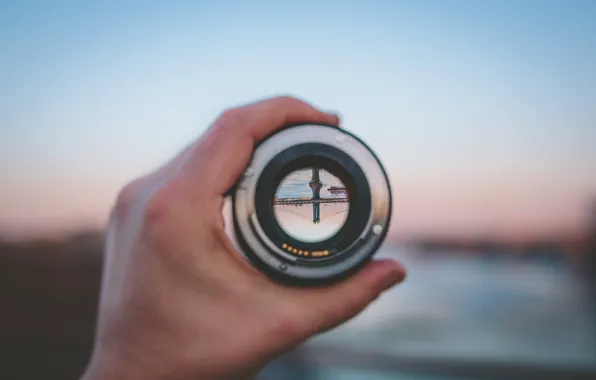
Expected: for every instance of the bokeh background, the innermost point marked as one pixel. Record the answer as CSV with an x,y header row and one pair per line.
x,y
483,113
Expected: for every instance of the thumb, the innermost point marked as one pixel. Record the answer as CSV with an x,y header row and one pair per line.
x,y
339,303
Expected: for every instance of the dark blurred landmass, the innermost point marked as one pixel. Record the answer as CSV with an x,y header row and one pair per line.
x,y
568,248
49,292
48,301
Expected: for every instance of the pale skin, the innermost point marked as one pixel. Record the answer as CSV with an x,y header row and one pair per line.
x,y
178,301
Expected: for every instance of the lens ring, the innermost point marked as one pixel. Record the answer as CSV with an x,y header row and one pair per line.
x,y
257,231
325,156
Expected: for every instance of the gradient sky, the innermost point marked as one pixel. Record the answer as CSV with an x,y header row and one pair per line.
x,y
484,113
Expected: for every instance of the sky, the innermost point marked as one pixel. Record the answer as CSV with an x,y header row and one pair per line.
x,y
483,113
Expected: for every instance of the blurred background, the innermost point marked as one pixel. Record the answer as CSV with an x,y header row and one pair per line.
x,y
482,112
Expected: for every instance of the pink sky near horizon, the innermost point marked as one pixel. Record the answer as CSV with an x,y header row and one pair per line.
x,y
482,112
419,208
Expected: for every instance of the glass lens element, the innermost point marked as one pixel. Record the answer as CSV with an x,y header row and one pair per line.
x,y
311,204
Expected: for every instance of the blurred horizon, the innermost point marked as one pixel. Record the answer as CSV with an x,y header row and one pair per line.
x,y
482,112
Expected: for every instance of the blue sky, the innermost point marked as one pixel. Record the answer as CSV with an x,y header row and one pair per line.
x,y
483,112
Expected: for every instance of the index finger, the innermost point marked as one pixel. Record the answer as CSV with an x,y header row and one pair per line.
x,y
223,153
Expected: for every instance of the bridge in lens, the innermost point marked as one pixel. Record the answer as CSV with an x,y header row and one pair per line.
x,y
311,197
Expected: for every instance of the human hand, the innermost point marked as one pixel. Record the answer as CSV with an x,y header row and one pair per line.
x,y
177,300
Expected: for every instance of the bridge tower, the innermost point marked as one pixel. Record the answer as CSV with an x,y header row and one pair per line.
x,y
315,185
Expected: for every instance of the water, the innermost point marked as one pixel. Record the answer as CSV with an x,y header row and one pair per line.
x,y
474,309
485,309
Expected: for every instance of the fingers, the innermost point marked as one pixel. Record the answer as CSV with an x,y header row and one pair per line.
x,y
341,302
225,150
270,114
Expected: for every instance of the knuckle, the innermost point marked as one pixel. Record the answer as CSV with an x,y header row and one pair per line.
x,y
157,210
229,119
230,116
126,197
286,100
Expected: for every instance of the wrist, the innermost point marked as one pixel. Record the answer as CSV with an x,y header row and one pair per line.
x,y
107,366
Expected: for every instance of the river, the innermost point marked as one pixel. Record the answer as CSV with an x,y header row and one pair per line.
x,y
475,309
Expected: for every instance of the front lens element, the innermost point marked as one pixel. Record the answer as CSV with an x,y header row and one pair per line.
x,y
311,204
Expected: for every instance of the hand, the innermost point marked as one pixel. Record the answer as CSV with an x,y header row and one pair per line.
x,y
178,301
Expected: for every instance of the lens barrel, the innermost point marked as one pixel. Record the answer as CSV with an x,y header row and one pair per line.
x,y
314,155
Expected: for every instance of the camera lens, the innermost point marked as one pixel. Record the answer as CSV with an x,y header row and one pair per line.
x,y
313,205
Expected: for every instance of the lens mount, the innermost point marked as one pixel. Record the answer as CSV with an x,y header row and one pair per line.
x,y
367,193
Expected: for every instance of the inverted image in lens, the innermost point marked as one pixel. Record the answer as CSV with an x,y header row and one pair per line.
x,y
311,204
